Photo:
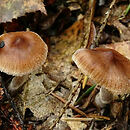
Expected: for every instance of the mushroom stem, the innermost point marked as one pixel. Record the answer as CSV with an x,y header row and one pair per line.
x,y
103,97
17,82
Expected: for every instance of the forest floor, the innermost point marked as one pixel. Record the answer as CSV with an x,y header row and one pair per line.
x,y
56,96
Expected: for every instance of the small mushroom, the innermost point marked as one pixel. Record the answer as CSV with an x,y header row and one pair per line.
x,y
22,53
108,68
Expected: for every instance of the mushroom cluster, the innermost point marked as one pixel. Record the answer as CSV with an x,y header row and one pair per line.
x,y
108,68
21,53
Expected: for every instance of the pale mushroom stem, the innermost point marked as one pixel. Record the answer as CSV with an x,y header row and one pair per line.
x,y
103,97
17,82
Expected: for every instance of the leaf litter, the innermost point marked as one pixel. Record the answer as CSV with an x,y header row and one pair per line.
x,y
17,8
59,74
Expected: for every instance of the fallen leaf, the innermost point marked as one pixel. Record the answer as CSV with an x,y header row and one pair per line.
x,y
46,125
15,8
76,125
53,18
116,109
34,96
12,26
92,35
121,47
124,31
116,12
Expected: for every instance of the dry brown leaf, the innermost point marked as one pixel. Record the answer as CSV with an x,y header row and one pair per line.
x,y
71,34
116,109
92,35
46,126
10,9
76,125
124,31
121,47
115,14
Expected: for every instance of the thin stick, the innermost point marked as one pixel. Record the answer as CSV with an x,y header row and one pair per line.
x,y
85,93
90,97
104,22
80,119
71,106
77,119
65,106
87,22
78,110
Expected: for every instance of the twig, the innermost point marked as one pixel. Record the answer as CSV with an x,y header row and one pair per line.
x,y
53,89
109,127
92,125
98,117
126,118
90,97
104,22
124,13
87,22
85,93
71,106
79,111
77,119
65,106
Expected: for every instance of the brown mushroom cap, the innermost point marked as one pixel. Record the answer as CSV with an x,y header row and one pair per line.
x,y
23,52
107,67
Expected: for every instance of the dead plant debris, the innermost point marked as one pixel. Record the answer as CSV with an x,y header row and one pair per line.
x,y
17,8
51,96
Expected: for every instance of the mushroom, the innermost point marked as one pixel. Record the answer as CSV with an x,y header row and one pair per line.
x,y
108,68
21,53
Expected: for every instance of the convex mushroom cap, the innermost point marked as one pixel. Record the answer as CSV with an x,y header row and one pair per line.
x,y
22,53
107,67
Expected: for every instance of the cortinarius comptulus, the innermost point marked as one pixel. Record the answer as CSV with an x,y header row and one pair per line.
x,y
21,53
108,68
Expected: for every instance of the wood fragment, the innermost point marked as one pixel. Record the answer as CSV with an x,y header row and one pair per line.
x,y
88,22
77,119
82,119
91,96
104,23
71,106
66,105
79,111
